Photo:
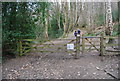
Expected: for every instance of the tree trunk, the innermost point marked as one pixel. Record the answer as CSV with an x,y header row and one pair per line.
x,y
109,23
71,16
65,18
46,25
83,11
58,10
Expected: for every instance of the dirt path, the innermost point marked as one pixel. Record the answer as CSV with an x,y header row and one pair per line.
x,y
61,65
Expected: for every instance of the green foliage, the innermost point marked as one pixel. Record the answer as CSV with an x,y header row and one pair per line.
x,y
116,31
17,24
41,12
54,31
100,21
101,18
115,16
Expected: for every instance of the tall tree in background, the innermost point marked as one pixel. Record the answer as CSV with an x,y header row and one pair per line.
x,y
109,21
45,17
46,23
65,16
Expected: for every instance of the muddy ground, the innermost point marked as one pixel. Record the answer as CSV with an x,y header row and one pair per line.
x,y
61,66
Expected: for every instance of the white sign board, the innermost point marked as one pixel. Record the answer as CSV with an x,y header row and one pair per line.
x,y
78,35
70,46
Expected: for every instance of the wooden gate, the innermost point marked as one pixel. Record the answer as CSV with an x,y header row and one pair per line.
x,y
100,44
82,45
90,43
58,45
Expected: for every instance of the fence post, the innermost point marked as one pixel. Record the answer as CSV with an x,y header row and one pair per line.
x,y
83,44
77,45
21,51
18,48
102,45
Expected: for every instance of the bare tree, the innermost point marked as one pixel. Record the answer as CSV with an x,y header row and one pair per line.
x,y
65,18
109,22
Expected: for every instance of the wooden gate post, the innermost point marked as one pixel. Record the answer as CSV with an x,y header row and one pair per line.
x,y
83,44
77,45
102,45
20,48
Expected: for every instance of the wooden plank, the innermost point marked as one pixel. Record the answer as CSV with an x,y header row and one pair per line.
x,y
112,44
90,49
112,54
91,45
91,37
54,44
28,40
52,47
26,51
93,40
71,41
63,39
50,51
110,37
113,51
45,46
